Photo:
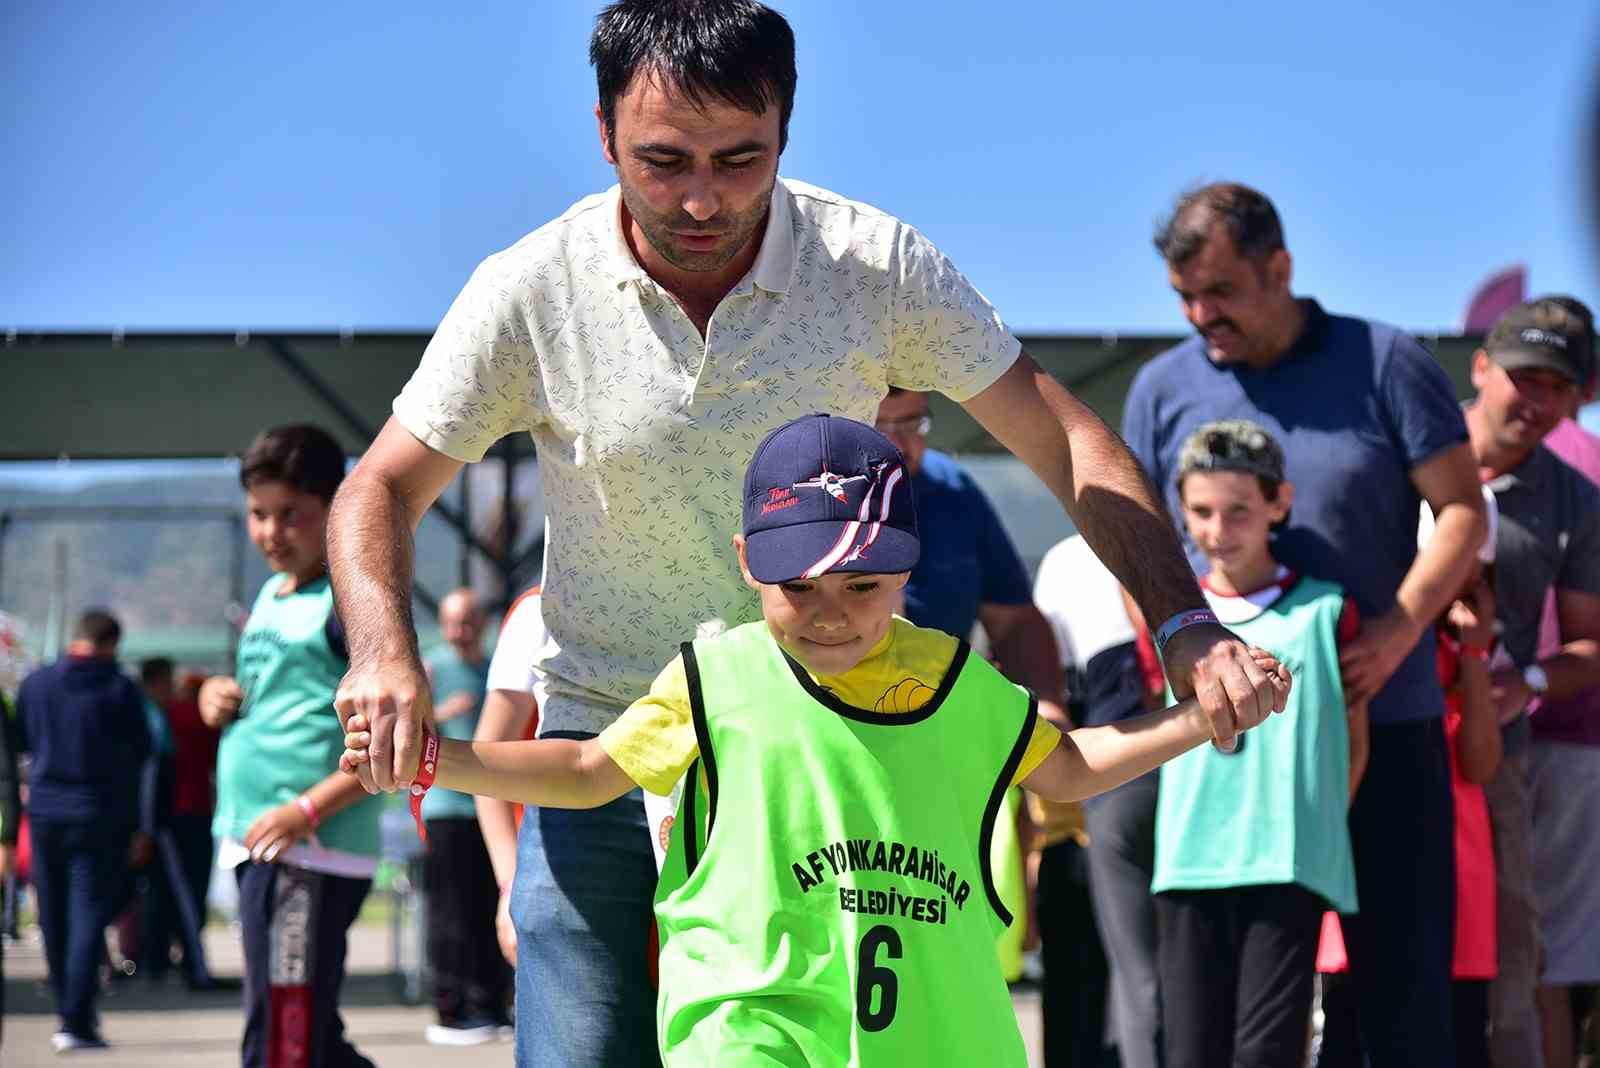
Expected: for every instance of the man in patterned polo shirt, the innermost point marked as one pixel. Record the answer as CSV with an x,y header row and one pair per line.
x,y
647,340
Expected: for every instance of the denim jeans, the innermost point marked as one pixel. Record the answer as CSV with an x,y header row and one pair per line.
x,y
582,906
1122,858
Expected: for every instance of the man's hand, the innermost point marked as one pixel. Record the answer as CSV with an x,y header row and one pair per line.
x,y
506,931
220,699
274,831
394,702
1205,661
8,860
1372,659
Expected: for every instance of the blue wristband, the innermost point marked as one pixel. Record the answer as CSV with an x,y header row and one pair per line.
x,y
1180,621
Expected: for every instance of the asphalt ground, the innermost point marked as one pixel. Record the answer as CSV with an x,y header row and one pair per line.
x,y
164,1025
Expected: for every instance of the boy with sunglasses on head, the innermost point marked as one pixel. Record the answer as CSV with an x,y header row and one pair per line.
x,y
1238,914
826,896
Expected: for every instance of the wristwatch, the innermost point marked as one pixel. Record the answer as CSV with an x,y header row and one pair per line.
x,y
1537,680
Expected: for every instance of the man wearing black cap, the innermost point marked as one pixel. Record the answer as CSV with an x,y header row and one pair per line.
x,y
1528,373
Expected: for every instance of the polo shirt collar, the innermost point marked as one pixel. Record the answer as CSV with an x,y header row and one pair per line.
x,y
774,266
1312,333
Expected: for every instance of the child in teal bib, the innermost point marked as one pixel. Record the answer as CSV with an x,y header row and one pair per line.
x,y
1238,913
826,897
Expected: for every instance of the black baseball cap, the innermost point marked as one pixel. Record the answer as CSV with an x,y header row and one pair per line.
x,y
824,493
1542,334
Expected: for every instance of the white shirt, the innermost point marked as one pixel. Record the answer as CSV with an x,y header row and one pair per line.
x,y
518,648
1082,600
644,429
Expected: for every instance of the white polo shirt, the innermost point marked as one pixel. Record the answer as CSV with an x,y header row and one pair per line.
x,y
644,429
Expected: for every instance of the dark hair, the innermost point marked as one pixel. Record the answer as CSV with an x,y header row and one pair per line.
x,y
154,670
734,50
304,456
1246,214
1581,310
98,626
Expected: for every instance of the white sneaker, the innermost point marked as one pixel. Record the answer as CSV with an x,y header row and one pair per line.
x,y
67,1042
467,1033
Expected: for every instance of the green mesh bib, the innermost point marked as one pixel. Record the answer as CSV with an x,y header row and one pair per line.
x,y
826,897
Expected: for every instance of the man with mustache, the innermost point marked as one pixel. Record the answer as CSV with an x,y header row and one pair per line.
x,y
648,339
1370,428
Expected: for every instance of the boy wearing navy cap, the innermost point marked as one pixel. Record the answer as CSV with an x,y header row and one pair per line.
x,y
826,896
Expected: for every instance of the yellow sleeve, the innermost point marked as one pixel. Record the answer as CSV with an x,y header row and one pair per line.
x,y
1040,745
653,741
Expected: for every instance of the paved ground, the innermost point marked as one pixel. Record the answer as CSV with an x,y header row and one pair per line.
x,y
166,1026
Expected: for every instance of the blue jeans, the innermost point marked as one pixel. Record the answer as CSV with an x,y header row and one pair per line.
x,y
582,905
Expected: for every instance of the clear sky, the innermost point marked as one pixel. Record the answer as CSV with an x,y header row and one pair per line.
x,y
312,165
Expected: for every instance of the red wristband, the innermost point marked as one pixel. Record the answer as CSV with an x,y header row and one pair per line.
x,y
426,771
309,807
1476,652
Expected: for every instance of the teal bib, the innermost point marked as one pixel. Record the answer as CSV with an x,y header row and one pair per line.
x,y
287,737
1275,811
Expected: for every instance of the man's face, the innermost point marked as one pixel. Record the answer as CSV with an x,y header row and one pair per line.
x,y
696,180
1234,301
1521,406
901,419
461,624
288,526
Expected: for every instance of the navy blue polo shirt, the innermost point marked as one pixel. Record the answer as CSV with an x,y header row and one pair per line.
x,y
967,558
1356,406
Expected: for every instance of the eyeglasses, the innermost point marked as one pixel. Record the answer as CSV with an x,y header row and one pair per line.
x,y
919,425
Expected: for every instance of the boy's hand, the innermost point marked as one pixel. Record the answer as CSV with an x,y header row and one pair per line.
x,y
358,749
394,700
1473,617
1208,663
274,831
1278,678
220,698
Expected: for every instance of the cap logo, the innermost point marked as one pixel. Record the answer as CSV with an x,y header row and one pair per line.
x,y
779,497
858,534
1534,336
833,485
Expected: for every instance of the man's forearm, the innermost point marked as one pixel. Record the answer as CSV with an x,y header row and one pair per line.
x,y
1123,520
371,555
1575,668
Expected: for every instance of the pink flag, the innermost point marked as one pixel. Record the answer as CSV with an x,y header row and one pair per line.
x,y
1506,287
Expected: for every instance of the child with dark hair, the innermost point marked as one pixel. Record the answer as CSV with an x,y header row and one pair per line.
x,y
300,842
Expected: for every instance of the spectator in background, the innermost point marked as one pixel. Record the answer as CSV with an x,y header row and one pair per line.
x,y
1563,773
302,840
471,983
83,722
181,875
10,823
510,712
1529,376
969,573
1370,427
1093,884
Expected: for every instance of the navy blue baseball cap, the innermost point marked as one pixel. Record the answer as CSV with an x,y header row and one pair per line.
x,y
824,493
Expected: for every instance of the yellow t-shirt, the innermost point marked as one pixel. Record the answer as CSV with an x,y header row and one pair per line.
x,y
653,742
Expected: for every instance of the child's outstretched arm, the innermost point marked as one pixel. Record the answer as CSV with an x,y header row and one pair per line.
x,y
550,772
1092,760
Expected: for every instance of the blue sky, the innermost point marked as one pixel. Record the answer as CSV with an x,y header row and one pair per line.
x,y
300,165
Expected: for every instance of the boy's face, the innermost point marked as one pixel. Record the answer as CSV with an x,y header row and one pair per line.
x,y
288,526
830,623
1230,518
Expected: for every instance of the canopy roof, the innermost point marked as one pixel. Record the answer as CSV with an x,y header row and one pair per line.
x,y
139,396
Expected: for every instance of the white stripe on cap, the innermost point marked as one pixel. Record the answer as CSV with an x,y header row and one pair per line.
x,y
847,538
883,515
